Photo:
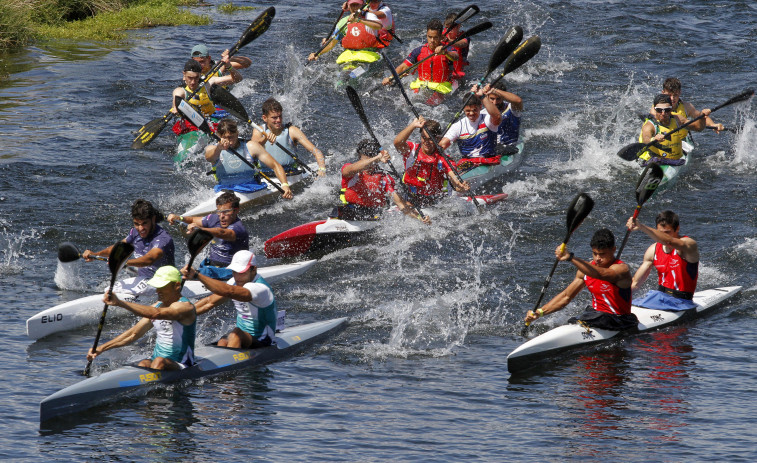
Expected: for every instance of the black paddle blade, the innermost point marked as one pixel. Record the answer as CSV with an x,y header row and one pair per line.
x,y
505,47
256,29
118,256
229,102
577,211
67,252
358,105
522,54
632,151
743,96
465,14
648,183
149,131
197,241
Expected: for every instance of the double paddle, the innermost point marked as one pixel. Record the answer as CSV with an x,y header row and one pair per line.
x,y
634,150
578,210
68,252
645,188
149,131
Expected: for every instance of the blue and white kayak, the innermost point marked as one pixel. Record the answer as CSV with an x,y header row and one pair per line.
x,y
86,310
482,174
211,360
570,337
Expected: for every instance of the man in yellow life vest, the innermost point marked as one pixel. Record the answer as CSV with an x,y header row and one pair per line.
x,y
192,76
664,150
685,110
201,54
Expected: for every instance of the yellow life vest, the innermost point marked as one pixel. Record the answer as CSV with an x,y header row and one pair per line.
x,y
673,144
201,100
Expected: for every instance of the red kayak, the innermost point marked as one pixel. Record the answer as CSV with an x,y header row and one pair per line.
x,y
322,236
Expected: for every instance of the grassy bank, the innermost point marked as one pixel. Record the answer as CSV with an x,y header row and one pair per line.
x,y
26,21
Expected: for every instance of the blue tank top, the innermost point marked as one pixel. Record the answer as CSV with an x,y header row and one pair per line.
x,y
174,340
230,170
279,154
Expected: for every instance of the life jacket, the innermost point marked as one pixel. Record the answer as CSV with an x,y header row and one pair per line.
x,y
385,34
425,173
366,189
436,69
459,65
471,163
680,110
358,38
201,100
673,144
608,297
673,272
230,170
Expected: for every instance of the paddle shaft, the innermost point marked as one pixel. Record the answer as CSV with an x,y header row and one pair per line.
x,y
100,325
628,232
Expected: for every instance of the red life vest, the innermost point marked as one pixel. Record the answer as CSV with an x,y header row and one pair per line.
x,y
357,38
673,272
608,297
427,173
366,189
436,69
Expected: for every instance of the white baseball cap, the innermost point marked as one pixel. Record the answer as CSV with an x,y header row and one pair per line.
x,y
242,261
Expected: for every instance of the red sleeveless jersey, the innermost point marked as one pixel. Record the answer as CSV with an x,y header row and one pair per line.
x,y
673,272
608,297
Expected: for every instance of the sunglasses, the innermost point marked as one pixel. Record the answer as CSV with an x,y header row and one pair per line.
x,y
663,110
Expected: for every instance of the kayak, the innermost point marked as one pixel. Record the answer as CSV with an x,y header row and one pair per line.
x,y
211,360
264,195
86,310
189,143
323,236
671,173
570,337
479,175
356,64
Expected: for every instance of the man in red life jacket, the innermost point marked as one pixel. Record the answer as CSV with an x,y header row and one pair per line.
x,y
450,35
380,12
676,258
434,73
608,280
426,171
365,187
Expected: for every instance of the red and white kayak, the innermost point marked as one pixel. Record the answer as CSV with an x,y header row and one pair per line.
x,y
323,236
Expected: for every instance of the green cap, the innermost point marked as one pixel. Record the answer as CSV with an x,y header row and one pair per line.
x,y
165,275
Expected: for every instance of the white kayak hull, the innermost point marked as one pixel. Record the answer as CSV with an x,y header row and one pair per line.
x,y
210,360
569,337
86,310
256,198
483,174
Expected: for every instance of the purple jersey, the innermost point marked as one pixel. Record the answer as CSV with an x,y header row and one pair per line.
x,y
159,238
221,251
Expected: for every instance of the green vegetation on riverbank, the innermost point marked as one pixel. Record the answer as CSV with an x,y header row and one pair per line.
x,y
26,21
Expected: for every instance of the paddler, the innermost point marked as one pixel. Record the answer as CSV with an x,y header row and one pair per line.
x,y
476,133
510,106
365,187
231,172
173,317
435,73
608,280
153,247
252,297
426,170
379,11
192,76
228,230
676,259
286,135
666,150
450,35
356,33
685,110
201,54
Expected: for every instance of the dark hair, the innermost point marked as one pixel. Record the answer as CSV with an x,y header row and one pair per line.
x,y
227,125
602,239
474,100
226,197
663,98
368,147
672,85
669,218
192,66
433,128
500,86
271,105
435,25
144,210
449,19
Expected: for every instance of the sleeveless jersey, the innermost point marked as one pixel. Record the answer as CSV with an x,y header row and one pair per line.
x,y
358,37
257,317
674,143
366,189
284,140
174,340
509,129
673,272
230,170
608,297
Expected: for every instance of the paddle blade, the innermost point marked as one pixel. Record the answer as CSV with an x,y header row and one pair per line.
x,y
522,54
190,113
505,47
118,256
255,29
67,252
578,210
632,151
197,241
743,96
648,183
465,14
149,131
358,105
229,102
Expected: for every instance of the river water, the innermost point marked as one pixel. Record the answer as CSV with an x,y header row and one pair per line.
x,y
420,373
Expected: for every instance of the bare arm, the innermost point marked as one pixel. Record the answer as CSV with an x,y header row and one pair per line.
x,y
299,137
123,339
644,270
515,101
686,247
257,150
400,141
561,300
